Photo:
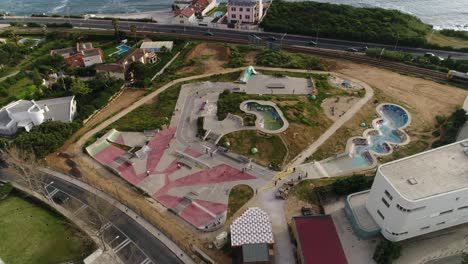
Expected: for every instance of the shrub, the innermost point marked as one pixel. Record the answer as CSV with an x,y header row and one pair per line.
x,y
351,184
386,252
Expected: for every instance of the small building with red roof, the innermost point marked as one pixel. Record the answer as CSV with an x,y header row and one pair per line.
x,y
317,240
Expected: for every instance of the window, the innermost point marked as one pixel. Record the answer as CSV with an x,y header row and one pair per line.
x,y
247,9
385,202
233,16
463,207
233,9
241,9
240,16
388,195
425,227
441,223
446,212
247,16
380,214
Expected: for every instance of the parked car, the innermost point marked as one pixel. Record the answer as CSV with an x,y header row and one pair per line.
x,y
312,43
307,211
209,34
61,198
429,54
352,49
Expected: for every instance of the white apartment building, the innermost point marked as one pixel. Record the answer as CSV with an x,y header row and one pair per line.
x,y
244,11
422,193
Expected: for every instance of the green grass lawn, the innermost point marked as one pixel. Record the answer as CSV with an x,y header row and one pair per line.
x,y
32,234
271,150
239,196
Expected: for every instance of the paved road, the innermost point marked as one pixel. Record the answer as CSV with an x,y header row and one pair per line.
x,y
291,40
144,239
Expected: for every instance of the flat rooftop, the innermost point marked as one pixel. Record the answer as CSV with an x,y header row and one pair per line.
x,y
429,173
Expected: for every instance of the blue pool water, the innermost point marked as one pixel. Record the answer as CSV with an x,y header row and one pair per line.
x,y
218,14
122,49
387,132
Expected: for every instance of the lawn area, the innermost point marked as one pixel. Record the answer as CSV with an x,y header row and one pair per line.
x,y
271,149
150,116
284,59
443,40
32,234
238,196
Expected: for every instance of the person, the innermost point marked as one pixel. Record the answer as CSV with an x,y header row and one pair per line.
x,y
276,182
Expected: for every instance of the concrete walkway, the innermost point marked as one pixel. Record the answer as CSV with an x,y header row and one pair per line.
x,y
284,252
145,224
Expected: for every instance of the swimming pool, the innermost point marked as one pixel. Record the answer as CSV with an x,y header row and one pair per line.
x,y
269,117
218,14
386,133
122,49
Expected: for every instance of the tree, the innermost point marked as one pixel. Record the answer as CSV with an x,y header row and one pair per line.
x,y
139,70
464,258
13,36
386,252
115,24
133,29
78,87
24,162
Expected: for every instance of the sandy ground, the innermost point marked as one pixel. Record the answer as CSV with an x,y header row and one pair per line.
x,y
335,107
211,56
424,99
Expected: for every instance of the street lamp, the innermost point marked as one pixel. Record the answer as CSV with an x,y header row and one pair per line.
x,y
110,243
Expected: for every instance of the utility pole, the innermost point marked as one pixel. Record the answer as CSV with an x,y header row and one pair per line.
x,y
396,44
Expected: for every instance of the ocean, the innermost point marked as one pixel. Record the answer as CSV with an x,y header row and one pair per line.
x,y
439,13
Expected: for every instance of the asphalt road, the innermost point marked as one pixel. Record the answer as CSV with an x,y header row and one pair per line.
x,y
285,39
151,246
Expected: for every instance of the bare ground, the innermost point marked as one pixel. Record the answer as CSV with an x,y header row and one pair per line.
x,y
211,56
335,107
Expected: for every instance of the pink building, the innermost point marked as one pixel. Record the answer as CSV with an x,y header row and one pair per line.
x,y
244,11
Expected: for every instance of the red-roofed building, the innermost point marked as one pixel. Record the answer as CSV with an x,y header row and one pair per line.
x,y
190,10
317,240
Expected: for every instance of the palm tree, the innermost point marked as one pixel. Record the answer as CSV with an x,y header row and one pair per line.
x,y
133,29
115,24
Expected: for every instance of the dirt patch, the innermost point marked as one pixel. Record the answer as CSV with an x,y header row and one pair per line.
x,y
251,58
210,57
293,207
335,107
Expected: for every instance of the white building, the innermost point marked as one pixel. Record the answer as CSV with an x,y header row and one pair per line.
x,y
26,114
244,11
157,46
92,56
422,193
185,16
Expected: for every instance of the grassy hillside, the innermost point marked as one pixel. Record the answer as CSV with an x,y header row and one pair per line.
x,y
345,22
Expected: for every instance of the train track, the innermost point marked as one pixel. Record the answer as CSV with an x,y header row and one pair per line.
x,y
325,53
